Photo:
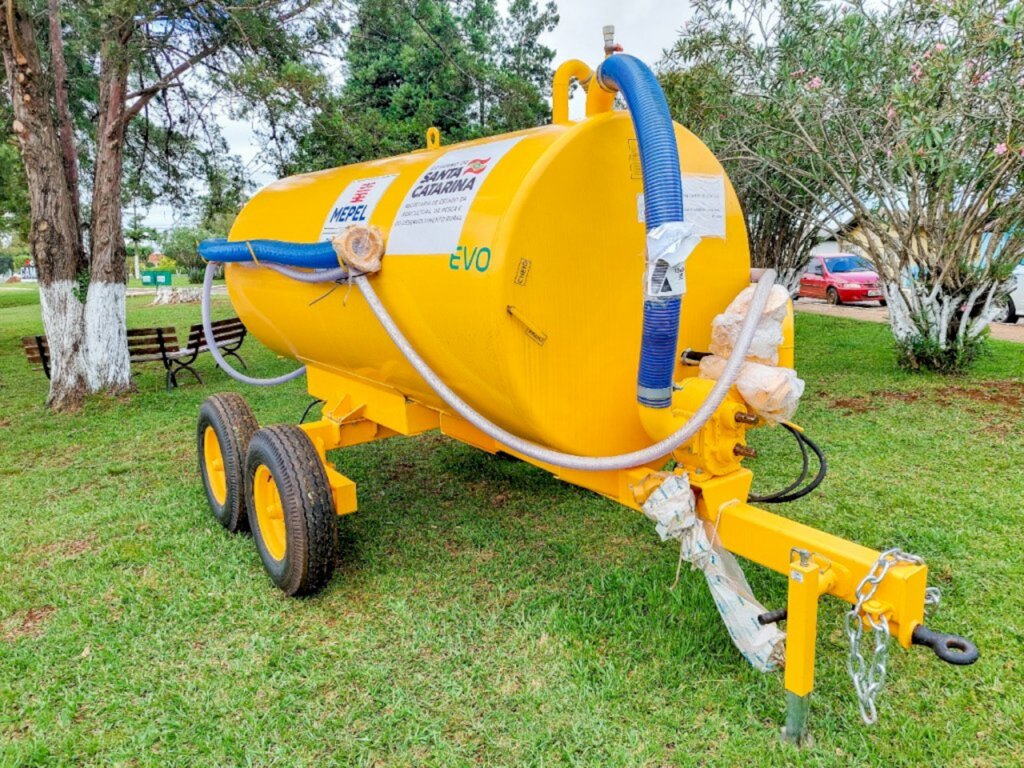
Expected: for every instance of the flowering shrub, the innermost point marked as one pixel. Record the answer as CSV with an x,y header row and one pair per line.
x,y
907,119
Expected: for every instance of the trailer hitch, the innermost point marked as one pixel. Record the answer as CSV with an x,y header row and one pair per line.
x,y
952,649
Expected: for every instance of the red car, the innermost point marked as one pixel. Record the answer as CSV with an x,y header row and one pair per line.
x,y
839,278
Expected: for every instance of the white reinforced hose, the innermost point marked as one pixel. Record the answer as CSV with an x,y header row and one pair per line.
x,y
647,455
212,343
316,276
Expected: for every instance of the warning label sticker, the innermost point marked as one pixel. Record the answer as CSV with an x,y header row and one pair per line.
x,y
355,204
703,204
430,219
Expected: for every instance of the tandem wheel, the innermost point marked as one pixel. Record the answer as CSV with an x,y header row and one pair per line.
x,y
226,424
291,509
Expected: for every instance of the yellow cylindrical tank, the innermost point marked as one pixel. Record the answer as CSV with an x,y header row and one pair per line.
x,y
513,264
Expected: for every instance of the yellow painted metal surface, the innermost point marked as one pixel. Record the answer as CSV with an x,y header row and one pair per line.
x,y
213,460
534,317
809,579
787,351
266,501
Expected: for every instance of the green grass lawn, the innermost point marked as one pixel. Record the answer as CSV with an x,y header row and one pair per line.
x,y
24,294
484,613
18,295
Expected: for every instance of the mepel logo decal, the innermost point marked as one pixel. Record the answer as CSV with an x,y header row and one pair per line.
x,y
353,211
477,166
355,204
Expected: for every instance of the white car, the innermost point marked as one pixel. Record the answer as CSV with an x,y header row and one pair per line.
x,y
1015,303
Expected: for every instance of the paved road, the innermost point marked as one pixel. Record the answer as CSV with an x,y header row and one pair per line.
x,y
876,314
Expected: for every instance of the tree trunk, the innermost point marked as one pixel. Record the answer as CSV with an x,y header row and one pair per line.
x,y
55,234
108,362
65,127
937,328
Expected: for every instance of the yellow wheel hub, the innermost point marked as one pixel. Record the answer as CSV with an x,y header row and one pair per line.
x,y
269,512
213,459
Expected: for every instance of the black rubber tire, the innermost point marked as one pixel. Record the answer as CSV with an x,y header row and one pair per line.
x,y
311,524
1011,312
832,297
234,424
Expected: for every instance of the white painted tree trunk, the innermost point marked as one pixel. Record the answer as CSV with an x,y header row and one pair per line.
x,y
789,277
64,321
916,311
107,358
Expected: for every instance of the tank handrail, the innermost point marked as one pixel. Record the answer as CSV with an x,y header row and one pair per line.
x,y
663,204
567,70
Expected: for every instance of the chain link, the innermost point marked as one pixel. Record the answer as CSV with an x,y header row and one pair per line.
x,y
869,678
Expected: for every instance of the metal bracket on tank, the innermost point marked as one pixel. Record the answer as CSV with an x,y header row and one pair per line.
x,y
532,330
433,137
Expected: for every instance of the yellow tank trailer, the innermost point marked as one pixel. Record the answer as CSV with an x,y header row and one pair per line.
x,y
523,277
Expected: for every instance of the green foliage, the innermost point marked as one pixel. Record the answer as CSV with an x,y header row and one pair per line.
x,y
167,264
922,352
81,288
138,236
13,257
459,66
195,273
227,188
484,613
715,88
903,118
184,62
181,244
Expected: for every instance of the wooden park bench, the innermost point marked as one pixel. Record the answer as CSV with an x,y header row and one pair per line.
x,y
229,335
37,351
148,345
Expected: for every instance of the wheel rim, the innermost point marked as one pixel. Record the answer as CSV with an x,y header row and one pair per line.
x,y
269,512
213,460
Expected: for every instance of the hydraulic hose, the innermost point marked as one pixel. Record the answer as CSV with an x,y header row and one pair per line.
x,y
211,342
647,455
804,469
663,204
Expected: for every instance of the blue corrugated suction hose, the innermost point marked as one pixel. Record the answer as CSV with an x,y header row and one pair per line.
x,y
663,203
309,255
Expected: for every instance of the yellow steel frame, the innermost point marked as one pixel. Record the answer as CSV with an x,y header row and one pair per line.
x,y
358,411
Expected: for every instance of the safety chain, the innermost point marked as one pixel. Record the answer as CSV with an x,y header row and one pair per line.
x,y
868,679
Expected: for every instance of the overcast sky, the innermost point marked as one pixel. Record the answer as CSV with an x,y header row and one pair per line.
x,y
644,28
